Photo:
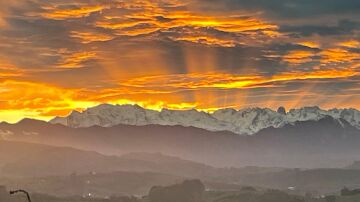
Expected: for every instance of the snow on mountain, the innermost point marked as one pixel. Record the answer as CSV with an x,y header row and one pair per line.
x,y
245,121
190,118
107,115
305,114
251,120
350,115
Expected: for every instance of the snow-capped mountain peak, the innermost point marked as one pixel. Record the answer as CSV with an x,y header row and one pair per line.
x,y
244,121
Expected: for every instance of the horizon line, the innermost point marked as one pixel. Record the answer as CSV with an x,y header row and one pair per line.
x,y
176,109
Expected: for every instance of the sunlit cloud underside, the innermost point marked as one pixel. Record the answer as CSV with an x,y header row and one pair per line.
x,y
59,56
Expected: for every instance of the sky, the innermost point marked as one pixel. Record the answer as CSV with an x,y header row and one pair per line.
x,y
59,56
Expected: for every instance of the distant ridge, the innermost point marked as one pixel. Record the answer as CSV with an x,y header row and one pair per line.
x,y
327,142
246,121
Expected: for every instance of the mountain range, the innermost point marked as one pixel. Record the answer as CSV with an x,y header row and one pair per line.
x,y
137,147
327,142
242,122
308,137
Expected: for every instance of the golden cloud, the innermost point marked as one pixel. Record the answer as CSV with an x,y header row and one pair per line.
x,y
207,40
298,57
338,55
9,70
350,44
76,60
40,100
88,37
230,81
126,79
32,99
146,17
60,14
310,44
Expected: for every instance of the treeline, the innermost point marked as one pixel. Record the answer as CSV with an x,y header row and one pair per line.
x,y
194,191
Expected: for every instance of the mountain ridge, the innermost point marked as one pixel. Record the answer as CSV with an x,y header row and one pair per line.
x,y
246,121
323,143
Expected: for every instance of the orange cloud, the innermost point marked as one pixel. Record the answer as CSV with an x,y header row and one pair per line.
x,y
337,55
320,74
298,57
9,70
230,81
76,60
207,40
88,37
59,14
137,31
310,44
29,99
135,73
147,17
350,44
39,100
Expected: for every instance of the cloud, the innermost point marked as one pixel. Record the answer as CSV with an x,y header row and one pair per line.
x,y
286,9
89,37
208,40
350,44
77,59
299,57
56,56
344,27
338,55
231,81
57,13
154,18
310,44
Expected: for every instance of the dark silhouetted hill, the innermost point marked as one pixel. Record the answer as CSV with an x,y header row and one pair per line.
x,y
188,191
